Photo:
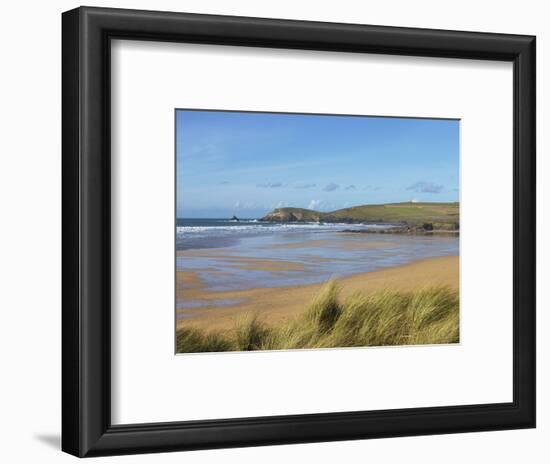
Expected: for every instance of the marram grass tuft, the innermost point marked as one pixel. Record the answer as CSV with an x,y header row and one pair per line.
x,y
426,316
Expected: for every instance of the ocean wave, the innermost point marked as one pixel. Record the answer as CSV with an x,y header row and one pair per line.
x,y
271,227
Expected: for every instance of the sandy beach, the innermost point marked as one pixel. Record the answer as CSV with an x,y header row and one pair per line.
x,y
219,310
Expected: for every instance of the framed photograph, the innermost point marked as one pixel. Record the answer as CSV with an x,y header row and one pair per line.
x,y
285,231
319,269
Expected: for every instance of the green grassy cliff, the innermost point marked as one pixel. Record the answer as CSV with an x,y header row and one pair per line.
x,y
439,215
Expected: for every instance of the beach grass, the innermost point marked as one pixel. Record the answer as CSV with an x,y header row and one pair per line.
x,y
382,318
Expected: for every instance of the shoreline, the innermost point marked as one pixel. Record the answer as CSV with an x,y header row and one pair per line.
x,y
383,227
403,231
275,305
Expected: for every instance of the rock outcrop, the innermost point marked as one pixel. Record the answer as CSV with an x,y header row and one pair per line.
x,y
292,215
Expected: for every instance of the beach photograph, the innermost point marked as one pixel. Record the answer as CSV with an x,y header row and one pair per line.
x,y
308,231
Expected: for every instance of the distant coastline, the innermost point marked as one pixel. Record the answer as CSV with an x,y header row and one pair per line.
x,y
400,218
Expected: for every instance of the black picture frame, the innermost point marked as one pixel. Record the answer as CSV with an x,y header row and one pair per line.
x,y
86,287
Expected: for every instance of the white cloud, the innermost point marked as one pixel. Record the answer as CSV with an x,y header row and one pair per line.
x,y
270,185
425,187
314,204
246,205
331,187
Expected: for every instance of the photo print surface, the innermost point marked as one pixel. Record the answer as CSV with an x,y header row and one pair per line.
x,y
307,231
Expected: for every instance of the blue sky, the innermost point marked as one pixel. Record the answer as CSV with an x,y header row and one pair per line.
x,y
246,164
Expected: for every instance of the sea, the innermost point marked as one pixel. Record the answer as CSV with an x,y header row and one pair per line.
x,y
194,233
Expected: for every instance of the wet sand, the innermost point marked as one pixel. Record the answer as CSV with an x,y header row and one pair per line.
x,y
352,245
220,310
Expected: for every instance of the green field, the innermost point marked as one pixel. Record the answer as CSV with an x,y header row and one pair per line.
x,y
427,316
441,215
